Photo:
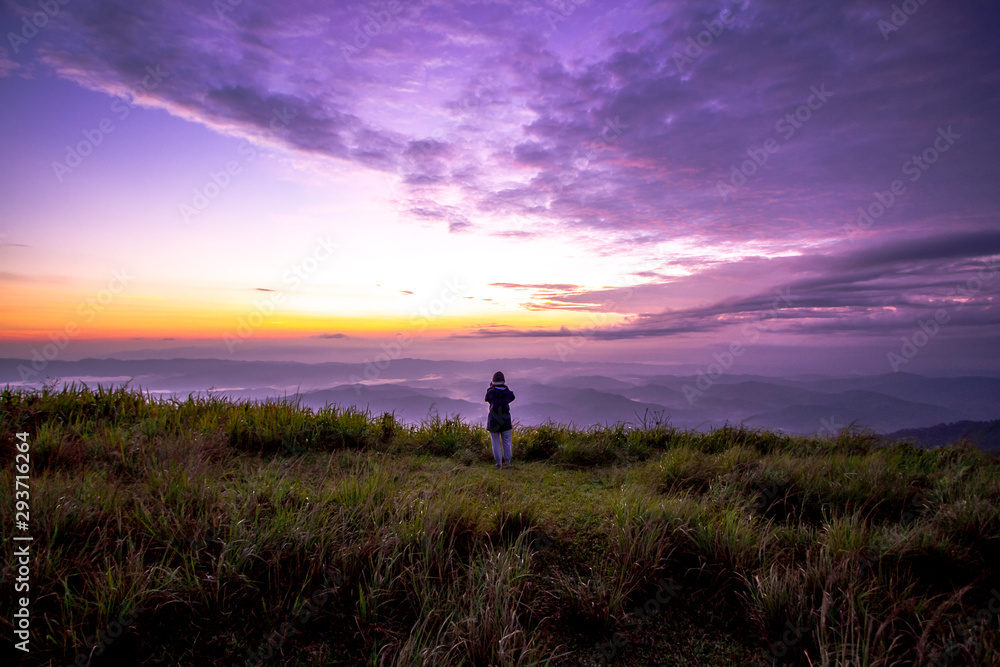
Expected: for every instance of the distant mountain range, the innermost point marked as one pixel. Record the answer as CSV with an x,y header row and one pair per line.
x,y
985,435
581,394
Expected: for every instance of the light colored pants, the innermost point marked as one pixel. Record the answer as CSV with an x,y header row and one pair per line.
x,y
498,439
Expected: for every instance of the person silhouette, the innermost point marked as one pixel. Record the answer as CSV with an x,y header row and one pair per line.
x,y
499,423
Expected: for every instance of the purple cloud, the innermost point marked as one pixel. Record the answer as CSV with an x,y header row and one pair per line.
x,y
586,111
750,132
882,290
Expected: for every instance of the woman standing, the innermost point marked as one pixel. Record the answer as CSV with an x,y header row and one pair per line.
x,y
499,423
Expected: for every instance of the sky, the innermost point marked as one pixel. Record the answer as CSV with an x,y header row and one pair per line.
x,y
747,186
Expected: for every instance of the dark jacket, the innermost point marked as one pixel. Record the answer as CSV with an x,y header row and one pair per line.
x,y
499,398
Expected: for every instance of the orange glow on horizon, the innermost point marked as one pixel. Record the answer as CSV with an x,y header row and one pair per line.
x,y
31,316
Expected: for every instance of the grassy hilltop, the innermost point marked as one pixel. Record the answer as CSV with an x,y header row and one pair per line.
x,y
207,532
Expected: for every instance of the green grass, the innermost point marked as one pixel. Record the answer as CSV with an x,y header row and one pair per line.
x,y
267,533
